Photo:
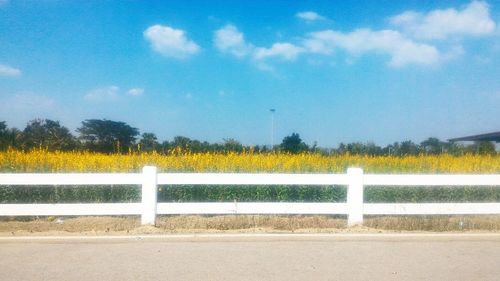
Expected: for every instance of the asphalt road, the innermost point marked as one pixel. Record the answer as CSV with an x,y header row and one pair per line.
x,y
264,257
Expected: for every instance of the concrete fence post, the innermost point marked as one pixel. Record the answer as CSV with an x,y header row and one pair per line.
x,y
149,195
355,196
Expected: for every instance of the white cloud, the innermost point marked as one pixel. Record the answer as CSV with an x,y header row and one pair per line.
x,y
309,16
321,42
109,93
112,94
402,50
135,92
6,70
170,42
285,51
409,46
474,20
406,43
230,40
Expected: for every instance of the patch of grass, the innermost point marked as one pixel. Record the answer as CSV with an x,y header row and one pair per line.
x,y
69,224
434,223
239,222
244,223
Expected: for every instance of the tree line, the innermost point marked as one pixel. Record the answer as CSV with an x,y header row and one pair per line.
x,y
107,136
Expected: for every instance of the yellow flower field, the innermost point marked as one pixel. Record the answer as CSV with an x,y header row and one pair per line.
x,y
43,161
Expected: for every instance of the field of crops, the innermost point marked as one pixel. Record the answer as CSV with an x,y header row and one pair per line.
x,y
43,161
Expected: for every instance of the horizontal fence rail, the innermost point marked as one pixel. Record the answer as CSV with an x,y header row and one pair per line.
x,y
252,208
71,209
432,209
149,179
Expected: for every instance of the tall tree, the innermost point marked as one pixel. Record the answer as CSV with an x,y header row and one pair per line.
x,y
485,147
356,148
47,134
232,145
107,136
456,149
149,142
433,146
293,144
9,137
372,149
182,143
408,148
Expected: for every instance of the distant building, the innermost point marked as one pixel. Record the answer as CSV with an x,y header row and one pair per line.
x,y
483,137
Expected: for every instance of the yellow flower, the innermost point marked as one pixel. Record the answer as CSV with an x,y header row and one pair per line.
x,y
184,161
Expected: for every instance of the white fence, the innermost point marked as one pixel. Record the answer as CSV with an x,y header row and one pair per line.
x,y
149,179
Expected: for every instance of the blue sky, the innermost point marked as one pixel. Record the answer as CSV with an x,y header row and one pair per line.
x,y
335,71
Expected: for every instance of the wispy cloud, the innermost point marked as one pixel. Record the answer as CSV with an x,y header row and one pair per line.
x,y
6,70
473,20
109,93
171,42
4,2
285,51
402,50
135,92
407,41
309,16
230,40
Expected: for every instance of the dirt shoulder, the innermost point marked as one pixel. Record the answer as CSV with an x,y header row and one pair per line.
x,y
242,224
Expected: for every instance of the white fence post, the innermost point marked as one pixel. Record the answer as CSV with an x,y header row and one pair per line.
x,y
149,195
355,196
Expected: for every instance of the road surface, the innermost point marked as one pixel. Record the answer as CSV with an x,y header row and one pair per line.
x,y
250,257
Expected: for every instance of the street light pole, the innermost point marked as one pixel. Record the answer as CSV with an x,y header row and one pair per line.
x,y
272,127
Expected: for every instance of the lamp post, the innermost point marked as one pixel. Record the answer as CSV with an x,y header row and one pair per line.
x,y
272,110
